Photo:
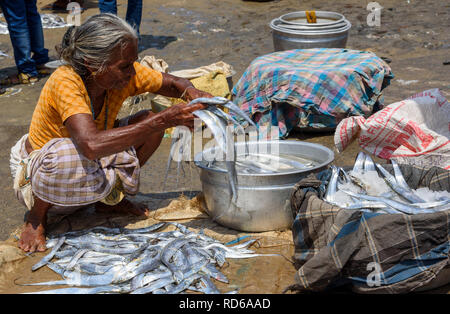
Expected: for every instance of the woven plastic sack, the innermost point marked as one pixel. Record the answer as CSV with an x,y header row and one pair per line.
x,y
413,131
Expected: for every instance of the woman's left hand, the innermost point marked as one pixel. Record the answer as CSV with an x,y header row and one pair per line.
x,y
192,93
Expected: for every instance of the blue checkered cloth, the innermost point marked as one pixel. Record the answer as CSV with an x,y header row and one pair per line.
x,y
311,88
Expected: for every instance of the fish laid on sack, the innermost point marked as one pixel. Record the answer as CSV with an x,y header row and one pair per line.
x,y
115,260
370,187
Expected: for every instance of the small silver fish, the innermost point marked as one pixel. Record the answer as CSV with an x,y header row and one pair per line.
x,y
225,116
168,252
369,165
405,193
332,185
164,281
146,278
75,259
398,175
50,255
358,167
208,286
212,271
400,207
179,140
213,124
73,290
174,289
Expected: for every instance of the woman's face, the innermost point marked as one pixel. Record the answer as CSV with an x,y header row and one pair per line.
x,y
120,69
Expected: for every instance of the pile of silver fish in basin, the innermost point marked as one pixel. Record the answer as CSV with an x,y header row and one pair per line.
x,y
139,261
370,187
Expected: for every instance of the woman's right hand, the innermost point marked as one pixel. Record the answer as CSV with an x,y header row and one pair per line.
x,y
179,114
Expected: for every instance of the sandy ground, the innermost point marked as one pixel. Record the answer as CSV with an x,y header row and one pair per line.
x,y
188,33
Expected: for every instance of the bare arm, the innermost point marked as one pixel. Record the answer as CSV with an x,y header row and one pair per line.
x,y
95,144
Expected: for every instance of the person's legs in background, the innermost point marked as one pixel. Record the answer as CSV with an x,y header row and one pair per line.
x,y
26,35
15,13
134,11
40,54
107,6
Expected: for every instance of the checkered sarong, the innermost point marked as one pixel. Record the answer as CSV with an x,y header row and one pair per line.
x,y
311,88
62,176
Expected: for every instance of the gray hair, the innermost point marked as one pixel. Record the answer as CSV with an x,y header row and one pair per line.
x,y
93,42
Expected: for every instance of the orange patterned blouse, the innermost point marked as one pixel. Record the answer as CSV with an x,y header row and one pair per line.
x,y
64,95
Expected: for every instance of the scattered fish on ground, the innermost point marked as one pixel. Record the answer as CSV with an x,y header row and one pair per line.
x,y
10,91
47,20
370,187
3,54
3,26
113,260
52,21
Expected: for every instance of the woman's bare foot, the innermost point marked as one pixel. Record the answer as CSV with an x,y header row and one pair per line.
x,y
125,206
32,238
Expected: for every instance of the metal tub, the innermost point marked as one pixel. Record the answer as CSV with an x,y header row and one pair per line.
x,y
327,33
263,201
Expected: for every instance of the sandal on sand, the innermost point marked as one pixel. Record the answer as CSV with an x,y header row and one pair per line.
x,y
43,70
21,78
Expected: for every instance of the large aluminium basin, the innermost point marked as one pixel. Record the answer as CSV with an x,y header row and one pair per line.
x,y
263,200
